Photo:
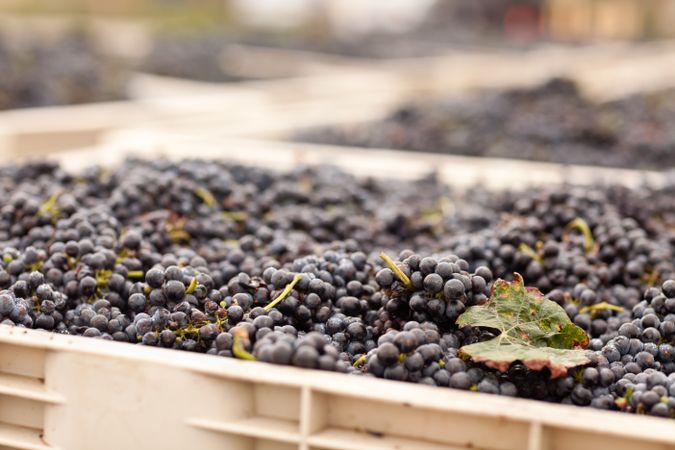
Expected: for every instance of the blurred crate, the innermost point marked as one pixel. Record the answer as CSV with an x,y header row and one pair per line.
x,y
603,72
43,130
345,93
164,100
495,173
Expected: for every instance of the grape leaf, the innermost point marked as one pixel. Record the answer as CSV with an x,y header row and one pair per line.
x,y
533,329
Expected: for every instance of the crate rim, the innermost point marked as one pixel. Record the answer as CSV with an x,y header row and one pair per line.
x,y
355,386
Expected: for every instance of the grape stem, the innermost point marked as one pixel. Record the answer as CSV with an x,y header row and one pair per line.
x,y
287,290
361,361
236,216
394,268
238,349
602,306
193,285
49,206
205,196
581,225
529,251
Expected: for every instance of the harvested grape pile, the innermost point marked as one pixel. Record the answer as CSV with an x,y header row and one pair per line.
x,y
552,123
63,71
286,268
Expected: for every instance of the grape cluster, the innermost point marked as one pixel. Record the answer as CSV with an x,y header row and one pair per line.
x,y
288,269
552,122
63,71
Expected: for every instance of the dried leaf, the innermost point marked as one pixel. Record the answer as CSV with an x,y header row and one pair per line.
x,y
533,329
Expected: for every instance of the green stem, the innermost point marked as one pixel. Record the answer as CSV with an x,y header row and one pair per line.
x,y
135,274
238,349
602,306
49,205
236,216
102,277
206,196
394,268
361,361
529,251
287,290
581,225
193,285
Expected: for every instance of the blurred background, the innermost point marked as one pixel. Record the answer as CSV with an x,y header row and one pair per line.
x,y
232,67
208,39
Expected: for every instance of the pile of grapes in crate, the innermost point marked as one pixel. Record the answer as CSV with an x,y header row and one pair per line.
x,y
561,294
67,70
553,122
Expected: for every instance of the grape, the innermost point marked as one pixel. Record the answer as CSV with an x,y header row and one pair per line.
x,y
460,380
453,289
433,283
387,354
6,304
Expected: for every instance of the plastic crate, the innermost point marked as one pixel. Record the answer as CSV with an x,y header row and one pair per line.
x,y
49,129
70,393
458,171
77,393
57,128
66,392
357,94
167,102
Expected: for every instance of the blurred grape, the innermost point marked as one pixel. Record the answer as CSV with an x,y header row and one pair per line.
x,y
63,71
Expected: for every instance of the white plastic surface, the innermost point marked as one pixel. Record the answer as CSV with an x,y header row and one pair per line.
x,y
458,171
75,393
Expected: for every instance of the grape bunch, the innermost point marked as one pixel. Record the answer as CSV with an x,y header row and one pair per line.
x,y
313,268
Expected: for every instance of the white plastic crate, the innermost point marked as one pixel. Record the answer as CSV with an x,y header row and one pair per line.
x,y
64,392
361,93
166,102
55,128
458,171
71,393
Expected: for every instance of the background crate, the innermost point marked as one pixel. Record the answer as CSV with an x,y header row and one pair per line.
x,y
373,90
163,100
493,173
